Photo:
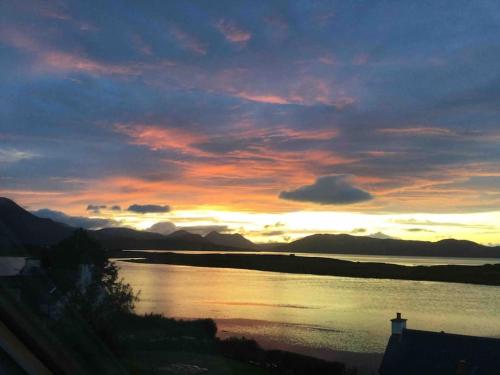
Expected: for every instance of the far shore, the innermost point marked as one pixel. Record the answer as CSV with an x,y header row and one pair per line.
x,y
488,274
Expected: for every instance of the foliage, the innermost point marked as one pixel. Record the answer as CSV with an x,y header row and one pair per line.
x,y
103,295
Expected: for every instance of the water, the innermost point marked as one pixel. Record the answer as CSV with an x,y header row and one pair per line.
x,y
317,312
401,260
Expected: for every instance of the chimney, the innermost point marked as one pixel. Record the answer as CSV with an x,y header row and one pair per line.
x,y
398,324
462,368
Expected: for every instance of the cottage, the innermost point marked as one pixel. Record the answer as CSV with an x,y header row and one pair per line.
x,y
412,352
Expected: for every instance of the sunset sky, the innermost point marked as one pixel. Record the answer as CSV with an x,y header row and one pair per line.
x,y
275,119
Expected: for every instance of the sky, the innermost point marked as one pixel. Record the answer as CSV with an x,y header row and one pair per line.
x,y
274,119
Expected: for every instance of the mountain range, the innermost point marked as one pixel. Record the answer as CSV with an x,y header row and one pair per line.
x,y
19,228
362,245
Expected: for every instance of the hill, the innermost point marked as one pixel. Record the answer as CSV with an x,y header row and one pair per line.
x,y
233,240
347,244
131,239
184,235
19,228
107,234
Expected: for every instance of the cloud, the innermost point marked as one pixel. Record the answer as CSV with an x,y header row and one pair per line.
x,y
148,208
419,230
115,208
358,230
62,61
417,131
13,155
273,233
163,227
263,98
441,223
190,111
75,221
96,208
232,32
158,137
167,227
334,189
188,41
278,224
205,229
56,61
381,236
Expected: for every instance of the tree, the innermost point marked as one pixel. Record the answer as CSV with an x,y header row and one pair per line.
x,y
90,283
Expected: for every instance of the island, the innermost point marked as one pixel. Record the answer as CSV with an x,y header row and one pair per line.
x,y
488,274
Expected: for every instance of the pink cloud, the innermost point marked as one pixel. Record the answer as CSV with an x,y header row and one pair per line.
x,y
305,92
381,154
418,131
49,59
141,45
62,61
263,98
232,32
327,60
360,59
188,41
282,133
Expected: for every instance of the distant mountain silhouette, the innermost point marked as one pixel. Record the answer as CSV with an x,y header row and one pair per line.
x,y
110,233
182,234
347,244
131,239
19,227
234,240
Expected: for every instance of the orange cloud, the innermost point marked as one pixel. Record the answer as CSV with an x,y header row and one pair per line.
x,y
258,160
156,137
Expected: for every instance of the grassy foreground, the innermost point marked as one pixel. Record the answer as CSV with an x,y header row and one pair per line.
x,y
153,344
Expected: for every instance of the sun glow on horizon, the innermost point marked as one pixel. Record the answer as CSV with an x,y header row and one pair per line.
x,y
285,227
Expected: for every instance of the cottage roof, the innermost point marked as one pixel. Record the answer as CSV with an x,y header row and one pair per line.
x,y
439,353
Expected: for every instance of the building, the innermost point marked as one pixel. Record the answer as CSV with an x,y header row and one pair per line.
x,y
32,286
412,352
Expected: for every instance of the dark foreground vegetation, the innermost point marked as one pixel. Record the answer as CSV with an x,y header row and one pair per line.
x,y
487,274
152,343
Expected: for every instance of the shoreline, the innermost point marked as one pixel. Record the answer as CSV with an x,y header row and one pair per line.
x,y
488,274
365,363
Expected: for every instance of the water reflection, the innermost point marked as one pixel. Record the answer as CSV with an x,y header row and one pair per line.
x,y
315,311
